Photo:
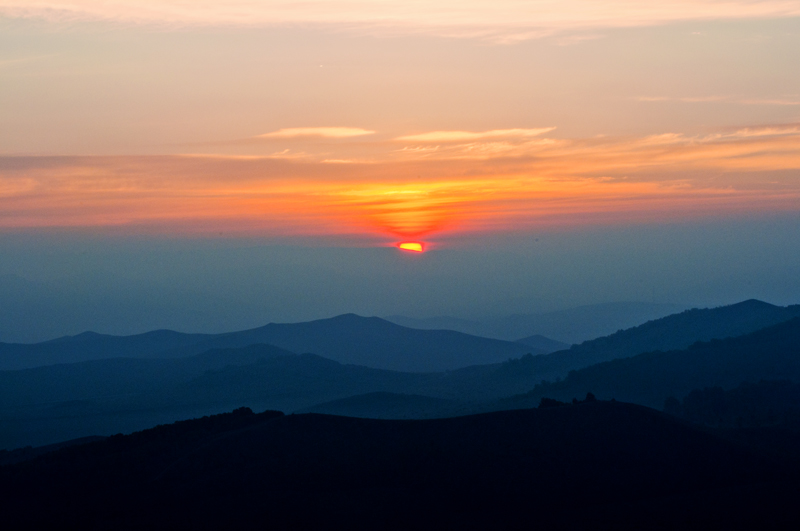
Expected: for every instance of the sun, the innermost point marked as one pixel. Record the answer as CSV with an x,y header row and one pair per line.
x,y
414,247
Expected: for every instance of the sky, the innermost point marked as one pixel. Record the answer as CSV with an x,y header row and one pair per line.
x,y
304,141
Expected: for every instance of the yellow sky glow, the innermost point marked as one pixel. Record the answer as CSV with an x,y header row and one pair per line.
x,y
469,136
584,181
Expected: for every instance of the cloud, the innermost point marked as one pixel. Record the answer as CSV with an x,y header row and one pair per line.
x,y
423,192
469,136
324,132
765,130
721,98
498,20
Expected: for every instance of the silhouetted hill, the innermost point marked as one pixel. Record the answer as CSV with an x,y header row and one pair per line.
x,y
572,325
374,342
608,465
91,346
673,332
49,404
59,402
367,341
773,404
581,323
12,457
381,405
543,344
650,378
444,322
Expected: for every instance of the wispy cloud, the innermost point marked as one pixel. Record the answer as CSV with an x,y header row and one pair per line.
x,y
723,98
500,20
324,132
422,192
470,136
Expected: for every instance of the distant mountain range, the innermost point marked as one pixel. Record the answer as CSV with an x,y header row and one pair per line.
x,y
59,402
367,341
569,326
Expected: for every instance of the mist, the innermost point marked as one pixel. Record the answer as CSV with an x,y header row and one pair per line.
x,y
64,283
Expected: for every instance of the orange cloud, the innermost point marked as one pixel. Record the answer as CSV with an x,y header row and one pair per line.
x,y
413,195
468,136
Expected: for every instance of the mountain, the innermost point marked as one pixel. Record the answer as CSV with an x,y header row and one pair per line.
x,y
567,326
440,323
581,323
48,404
680,330
673,332
769,354
599,464
767,403
367,341
92,346
45,405
374,342
543,344
381,405
101,397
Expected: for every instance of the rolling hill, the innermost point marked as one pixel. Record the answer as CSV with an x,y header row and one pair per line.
x,y
674,332
572,325
382,405
772,353
367,341
608,465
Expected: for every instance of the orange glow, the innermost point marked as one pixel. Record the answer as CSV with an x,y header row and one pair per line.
x,y
415,247
407,195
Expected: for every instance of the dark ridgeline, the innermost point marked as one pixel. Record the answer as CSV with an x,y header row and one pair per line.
x,y
763,415
674,332
572,325
350,339
51,404
377,343
598,464
767,403
382,405
544,344
650,378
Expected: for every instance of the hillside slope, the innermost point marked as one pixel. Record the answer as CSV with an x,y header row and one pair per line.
x,y
673,332
367,341
650,378
608,464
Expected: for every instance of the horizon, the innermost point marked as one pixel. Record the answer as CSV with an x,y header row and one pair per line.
x,y
239,163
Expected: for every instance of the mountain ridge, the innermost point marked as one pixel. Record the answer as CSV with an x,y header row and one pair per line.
x,y
348,338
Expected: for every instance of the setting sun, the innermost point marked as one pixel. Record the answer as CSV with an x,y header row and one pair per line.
x,y
411,246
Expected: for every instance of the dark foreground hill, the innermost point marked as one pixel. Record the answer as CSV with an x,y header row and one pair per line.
x,y
650,378
768,403
607,465
367,341
381,405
